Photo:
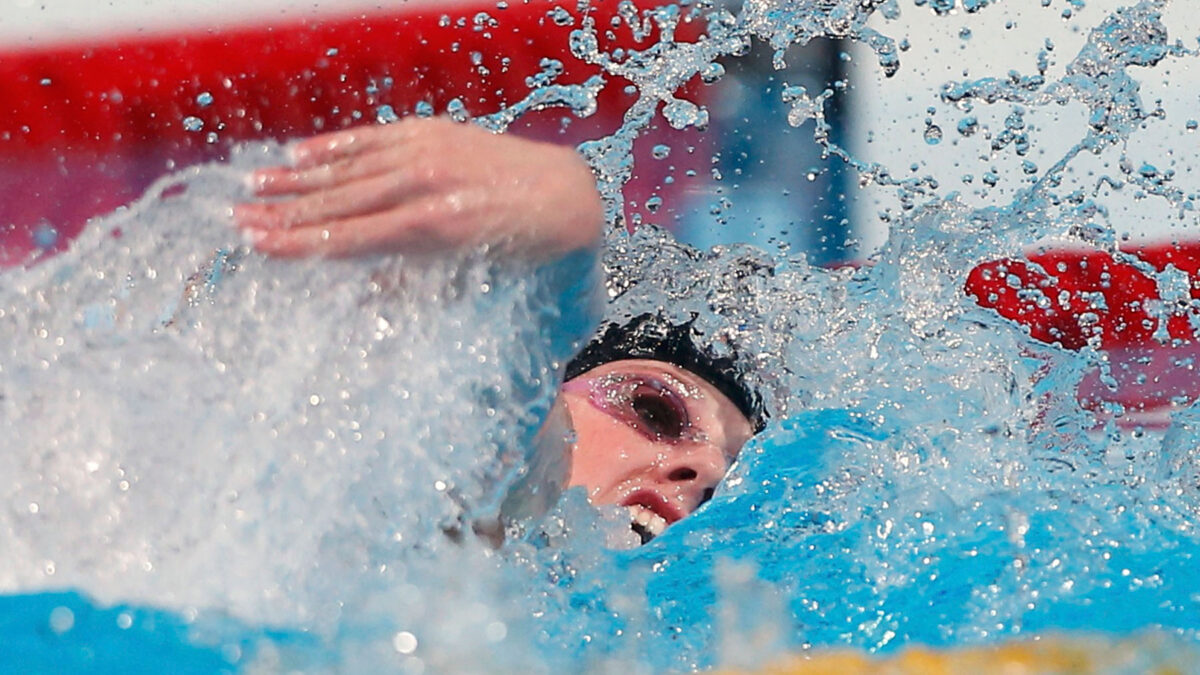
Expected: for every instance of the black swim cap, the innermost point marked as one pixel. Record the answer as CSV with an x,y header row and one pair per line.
x,y
651,336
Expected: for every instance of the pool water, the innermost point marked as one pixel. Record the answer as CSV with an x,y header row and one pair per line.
x,y
222,462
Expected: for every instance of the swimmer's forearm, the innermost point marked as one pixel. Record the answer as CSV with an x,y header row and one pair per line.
x,y
424,185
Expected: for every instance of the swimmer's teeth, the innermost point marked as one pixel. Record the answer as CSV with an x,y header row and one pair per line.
x,y
642,517
650,522
656,525
639,515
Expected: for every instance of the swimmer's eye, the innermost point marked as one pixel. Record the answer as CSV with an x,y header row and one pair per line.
x,y
645,404
660,410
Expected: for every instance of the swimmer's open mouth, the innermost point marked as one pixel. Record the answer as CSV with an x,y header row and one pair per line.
x,y
646,523
650,514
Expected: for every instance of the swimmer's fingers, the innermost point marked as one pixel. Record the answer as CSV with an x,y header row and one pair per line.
x,y
333,147
424,224
284,181
373,151
378,193
423,185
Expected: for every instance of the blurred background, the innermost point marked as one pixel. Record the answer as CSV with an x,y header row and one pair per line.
x,y
98,99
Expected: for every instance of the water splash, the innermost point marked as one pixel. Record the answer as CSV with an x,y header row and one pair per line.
x,y
322,433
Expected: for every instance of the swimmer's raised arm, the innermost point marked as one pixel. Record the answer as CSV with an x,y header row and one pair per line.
x,y
423,185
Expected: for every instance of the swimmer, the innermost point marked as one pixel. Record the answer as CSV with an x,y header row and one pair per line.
x,y
657,420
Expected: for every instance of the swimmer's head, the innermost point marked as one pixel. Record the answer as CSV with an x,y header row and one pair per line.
x,y
652,337
657,420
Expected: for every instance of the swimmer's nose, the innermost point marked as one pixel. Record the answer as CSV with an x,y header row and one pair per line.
x,y
694,470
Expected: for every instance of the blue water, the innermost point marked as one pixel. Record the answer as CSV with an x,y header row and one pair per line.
x,y
217,461
878,577
64,632
778,559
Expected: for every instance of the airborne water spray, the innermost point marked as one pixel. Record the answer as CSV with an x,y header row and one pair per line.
x,y
272,451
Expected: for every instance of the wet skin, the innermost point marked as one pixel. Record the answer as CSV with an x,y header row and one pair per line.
x,y
650,435
653,437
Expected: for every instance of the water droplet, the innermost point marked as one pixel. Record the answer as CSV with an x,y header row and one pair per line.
x,y
712,72
560,17
204,99
45,236
1192,125
661,151
404,642
192,123
457,111
496,631
423,109
681,114
62,619
933,134
384,114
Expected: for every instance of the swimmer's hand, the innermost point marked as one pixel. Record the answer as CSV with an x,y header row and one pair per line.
x,y
423,185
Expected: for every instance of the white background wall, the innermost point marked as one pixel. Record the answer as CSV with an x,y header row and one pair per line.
x,y
1006,36
41,21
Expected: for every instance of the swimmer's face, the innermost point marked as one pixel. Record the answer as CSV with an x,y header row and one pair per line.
x,y
653,437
